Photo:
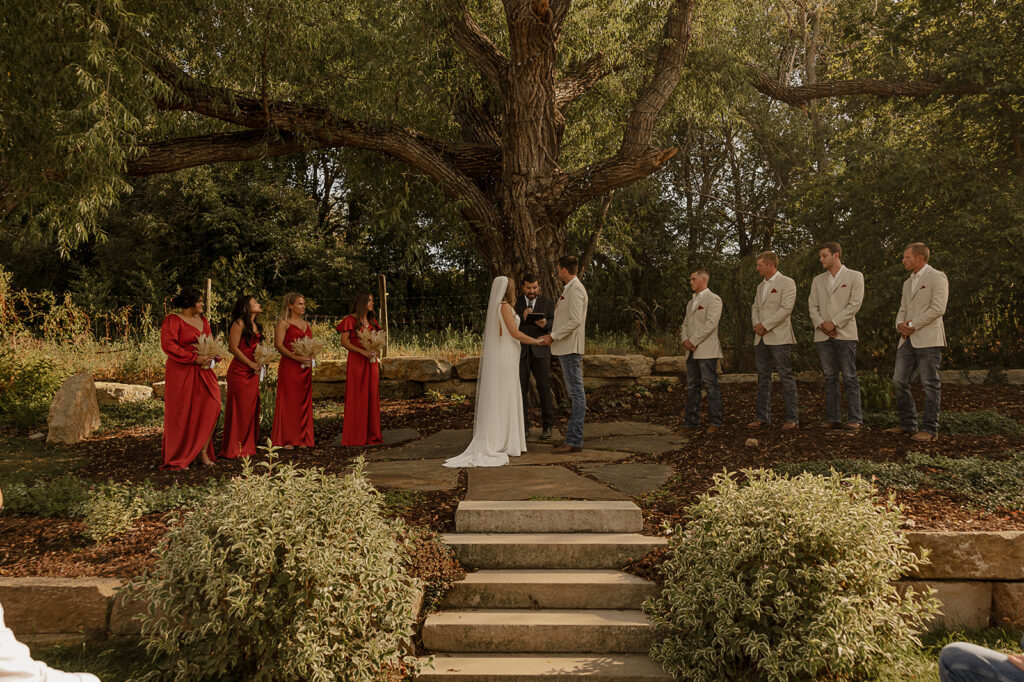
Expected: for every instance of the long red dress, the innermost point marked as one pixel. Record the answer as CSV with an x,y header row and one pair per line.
x,y
293,413
191,395
242,412
362,391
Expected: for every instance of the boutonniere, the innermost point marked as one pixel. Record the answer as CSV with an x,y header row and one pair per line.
x,y
774,291
700,307
561,298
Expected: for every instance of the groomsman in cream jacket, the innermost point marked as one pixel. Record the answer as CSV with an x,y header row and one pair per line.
x,y
922,336
771,316
567,339
700,338
836,297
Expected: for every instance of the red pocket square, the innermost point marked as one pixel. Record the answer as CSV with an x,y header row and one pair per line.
x,y
561,298
700,307
774,291
922,287
842,286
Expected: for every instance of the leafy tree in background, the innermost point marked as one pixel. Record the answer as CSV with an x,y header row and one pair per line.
x,y
519,112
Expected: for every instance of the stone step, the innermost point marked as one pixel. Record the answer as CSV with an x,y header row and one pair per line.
x,y
550,550
543,668
538,631
560,516
549,589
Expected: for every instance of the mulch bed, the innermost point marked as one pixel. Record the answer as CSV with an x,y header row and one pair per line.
x,y
36,546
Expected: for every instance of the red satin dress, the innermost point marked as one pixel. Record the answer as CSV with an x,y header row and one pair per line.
x,y
242,412
362,392
293,413
191,395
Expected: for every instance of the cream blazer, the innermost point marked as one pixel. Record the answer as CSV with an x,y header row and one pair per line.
x,y
840,305
568,331
701,325
924,308
775,311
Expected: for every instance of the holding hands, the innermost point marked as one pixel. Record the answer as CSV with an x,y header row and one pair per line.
x,y
544,340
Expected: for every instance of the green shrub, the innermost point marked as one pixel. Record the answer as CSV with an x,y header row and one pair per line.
x,y
27,387
983,482
108,509
876,392
292,575
787,579
145,414
975,423
61,496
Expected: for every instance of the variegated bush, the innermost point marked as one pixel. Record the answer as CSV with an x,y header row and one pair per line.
x,y
282,574
783,579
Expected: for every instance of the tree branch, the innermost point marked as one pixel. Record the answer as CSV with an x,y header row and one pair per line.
x,y
603,177
475,44
314,127
798,95
668,69
187,152
571,87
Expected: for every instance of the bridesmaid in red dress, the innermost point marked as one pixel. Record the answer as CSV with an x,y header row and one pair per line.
x,y
362,375
293,413
191,393
242,413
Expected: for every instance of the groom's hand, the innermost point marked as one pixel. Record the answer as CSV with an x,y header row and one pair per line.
x,y
545,340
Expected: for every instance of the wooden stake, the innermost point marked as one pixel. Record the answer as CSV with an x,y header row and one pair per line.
x,y
382,307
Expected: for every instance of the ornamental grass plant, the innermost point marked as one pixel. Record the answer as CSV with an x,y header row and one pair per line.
x,y
782,579
282,574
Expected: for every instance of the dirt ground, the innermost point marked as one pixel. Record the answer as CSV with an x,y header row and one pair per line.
x,y
37,546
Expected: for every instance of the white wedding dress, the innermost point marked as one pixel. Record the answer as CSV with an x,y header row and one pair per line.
x,y
498,430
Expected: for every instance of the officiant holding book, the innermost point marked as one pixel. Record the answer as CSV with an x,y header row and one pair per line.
x,y
535,312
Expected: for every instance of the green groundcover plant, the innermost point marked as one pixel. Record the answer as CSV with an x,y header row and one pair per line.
x,y
788,579
288,574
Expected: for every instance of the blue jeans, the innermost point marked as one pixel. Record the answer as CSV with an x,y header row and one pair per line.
x,y
702,372
963,662
925,361
840,356
572,375
768,358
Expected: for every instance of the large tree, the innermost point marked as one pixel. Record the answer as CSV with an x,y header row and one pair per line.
x,y
519,111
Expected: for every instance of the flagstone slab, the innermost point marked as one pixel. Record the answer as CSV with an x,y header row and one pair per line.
x,y
632,478
648,445
532,482
391,437
422,475
541,454
442,444
609,429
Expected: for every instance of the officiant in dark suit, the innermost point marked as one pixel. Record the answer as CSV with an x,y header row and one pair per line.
x,y
536,359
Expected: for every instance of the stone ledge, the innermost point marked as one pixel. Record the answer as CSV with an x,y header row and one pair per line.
x,y
970,555
965,604
57,606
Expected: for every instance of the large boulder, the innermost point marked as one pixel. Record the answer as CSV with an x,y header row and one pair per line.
x,y
591,383
468,368
617,365
329,370
417,368
451,387
328,389
1014,376
963,376
74,412
399,389
110,393
159,388
670,364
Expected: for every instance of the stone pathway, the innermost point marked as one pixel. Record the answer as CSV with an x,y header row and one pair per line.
x,y
416,464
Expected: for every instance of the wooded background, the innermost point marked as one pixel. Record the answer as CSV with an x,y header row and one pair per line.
x,y
309,146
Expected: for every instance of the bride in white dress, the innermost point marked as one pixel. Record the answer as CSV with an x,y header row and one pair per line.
x,y
498,430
